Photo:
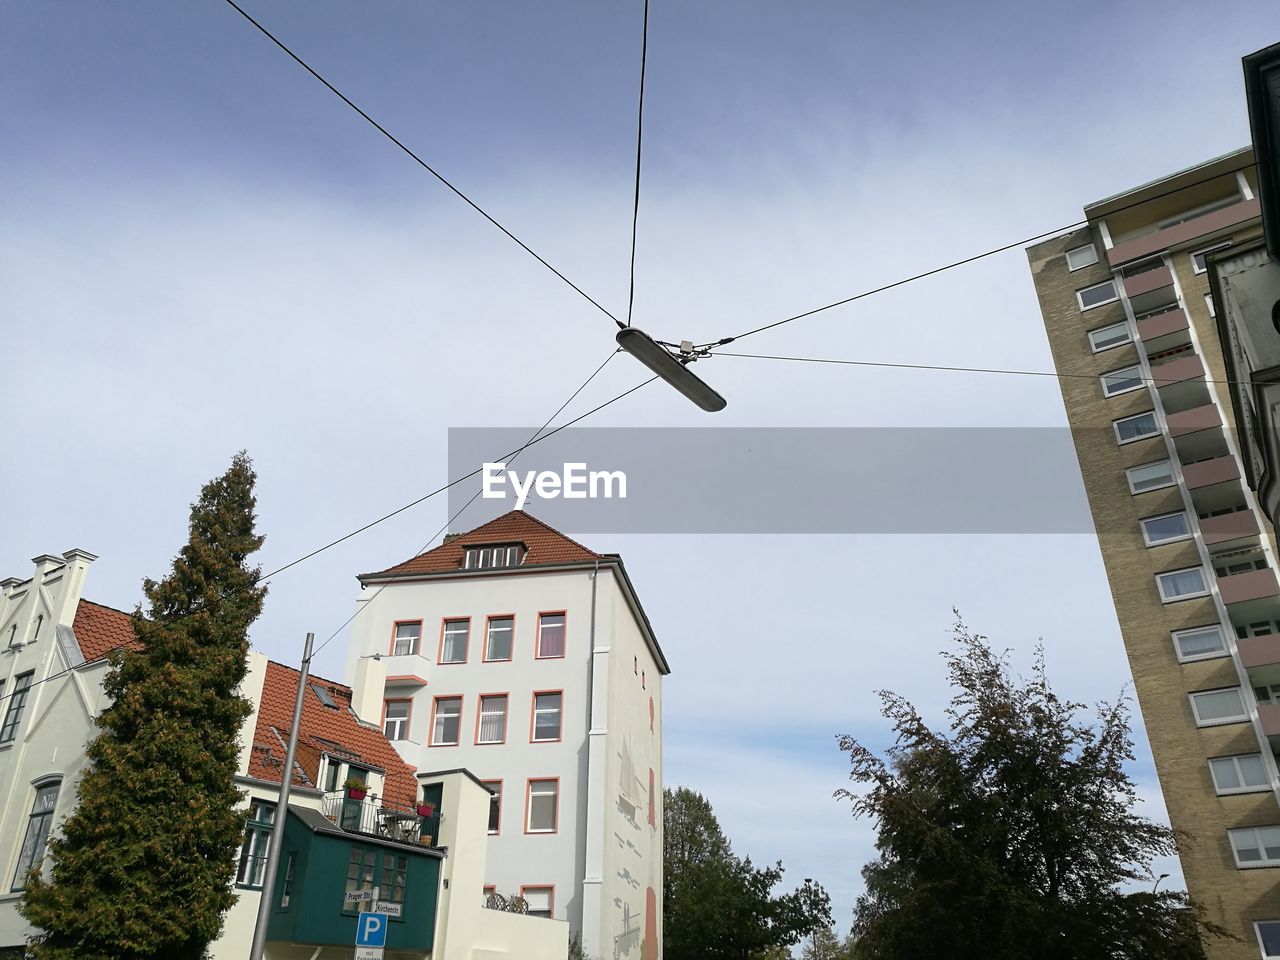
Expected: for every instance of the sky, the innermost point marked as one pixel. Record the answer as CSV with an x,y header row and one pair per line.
x,y
203,251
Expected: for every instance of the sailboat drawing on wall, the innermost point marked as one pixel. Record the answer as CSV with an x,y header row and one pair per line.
x,y
631,789
629,938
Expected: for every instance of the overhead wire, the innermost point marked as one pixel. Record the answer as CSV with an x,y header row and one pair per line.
x,y
635,206
417,159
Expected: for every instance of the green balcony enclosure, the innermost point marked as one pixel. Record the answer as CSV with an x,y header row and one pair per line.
x,y
320,862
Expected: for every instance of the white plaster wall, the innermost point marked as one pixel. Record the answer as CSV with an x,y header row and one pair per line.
x,y
515,858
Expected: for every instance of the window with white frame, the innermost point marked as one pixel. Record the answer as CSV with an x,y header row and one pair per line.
x,y
447,722
1112,335
253,851
493,719
1198,264
1257,628
1256,846
1200,643
544,806
498,640
1212,707
1166,528
1150,476
1121,381
1268,932
453,642
1267,693
408,636
539,901
550,636
493,555
1243,773
395,724
1097,295
1082,257
1137,427
1230,569
34,841
1181,584
546,716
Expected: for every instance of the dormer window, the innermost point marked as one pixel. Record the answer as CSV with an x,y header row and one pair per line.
x,y
493,555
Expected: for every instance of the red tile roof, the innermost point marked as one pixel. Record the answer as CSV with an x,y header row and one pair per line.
x,y
543,544
323,730
100,629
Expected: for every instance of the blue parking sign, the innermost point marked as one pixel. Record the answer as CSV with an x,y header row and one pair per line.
x,y
371,930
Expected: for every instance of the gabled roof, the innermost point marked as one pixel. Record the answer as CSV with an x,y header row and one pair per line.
x,y
333,730
99,630
543,545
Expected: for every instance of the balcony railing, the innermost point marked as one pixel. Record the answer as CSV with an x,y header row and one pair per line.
x,y
375,817
1185,232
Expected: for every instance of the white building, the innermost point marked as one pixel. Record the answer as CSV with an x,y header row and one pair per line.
x,y
53,645
526,658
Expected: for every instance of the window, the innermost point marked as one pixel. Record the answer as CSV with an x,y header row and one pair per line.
x,y
1082,257
37,836
359,774
1259,628
546,716
1268,932
1122,381
1197,256
1150,476
1199,643
395,867
253,852
453,641
395,722
362,872
492,722
286,893
1212,707
1166,528
1136,428
1240,566
495,805
446,722
496,555
324,696
540,900
1256,846
550,635
407,638
1181,584
1097,295
1112,335
1244,773
332,773
17,703
498,639
1269,693
544,806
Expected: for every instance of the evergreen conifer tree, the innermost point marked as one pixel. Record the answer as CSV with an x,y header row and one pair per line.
x,y
143,868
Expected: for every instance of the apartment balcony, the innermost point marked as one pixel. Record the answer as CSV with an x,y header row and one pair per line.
x,y
1207,473
1164,329
373,817
1251,585
1180,381
1269,714
1204,417
1183,233
1230,527
1259,652
1148,281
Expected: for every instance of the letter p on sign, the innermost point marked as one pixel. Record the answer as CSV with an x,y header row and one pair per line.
x,y
371,930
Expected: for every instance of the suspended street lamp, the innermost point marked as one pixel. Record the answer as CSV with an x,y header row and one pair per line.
x,y
671,367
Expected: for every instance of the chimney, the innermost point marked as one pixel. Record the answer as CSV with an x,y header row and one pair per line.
x,y
450,537
368,688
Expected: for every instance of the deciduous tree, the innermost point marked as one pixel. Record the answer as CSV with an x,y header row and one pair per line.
x,y
1012,834
717,906
143,868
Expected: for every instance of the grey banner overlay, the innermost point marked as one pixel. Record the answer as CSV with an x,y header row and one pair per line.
x,y
798,480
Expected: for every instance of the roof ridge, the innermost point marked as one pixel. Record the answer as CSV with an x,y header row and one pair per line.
x,y
312,676
95,603
546,526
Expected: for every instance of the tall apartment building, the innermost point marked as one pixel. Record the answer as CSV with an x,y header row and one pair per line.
x,y
1190,556
523,656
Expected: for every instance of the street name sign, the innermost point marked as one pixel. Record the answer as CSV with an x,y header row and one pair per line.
x,y
389,908
360,896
